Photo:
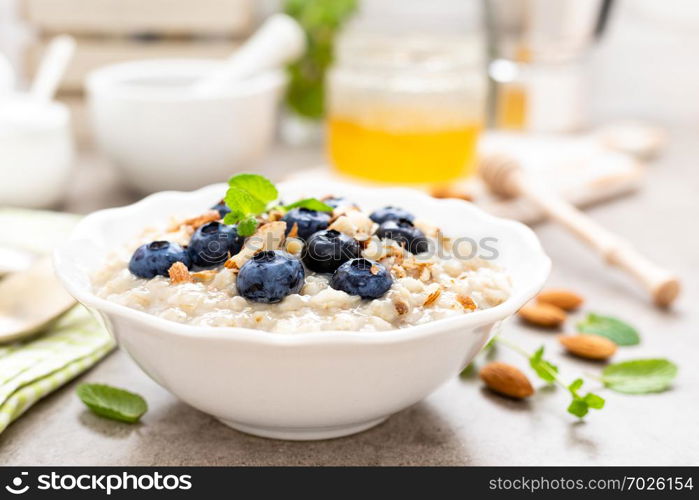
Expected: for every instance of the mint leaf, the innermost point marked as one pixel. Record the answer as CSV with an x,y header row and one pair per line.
x,y
468,371
247,226
257,186
545,370
233,218
111,402
578,407
639,376
594,401
614,329
242,202
311,204
575,385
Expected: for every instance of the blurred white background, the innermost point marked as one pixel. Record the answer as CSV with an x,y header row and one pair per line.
x,y
646,67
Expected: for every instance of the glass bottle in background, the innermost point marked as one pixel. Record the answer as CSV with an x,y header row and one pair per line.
x,y
539,51
406,108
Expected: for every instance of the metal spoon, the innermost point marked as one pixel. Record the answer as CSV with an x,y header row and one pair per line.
x,y
30,300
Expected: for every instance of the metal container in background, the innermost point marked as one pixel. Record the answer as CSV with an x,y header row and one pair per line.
x,y
538,51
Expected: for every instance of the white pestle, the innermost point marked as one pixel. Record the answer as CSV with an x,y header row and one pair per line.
x,y
277,42
53,66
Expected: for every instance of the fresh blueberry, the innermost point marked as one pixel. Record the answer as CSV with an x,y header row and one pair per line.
x,y
153,259
403,232
390,213
362,277
326,250
270,276
222,208
338,201
308,221
211,244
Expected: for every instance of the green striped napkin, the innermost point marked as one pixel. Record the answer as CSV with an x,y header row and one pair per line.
x,y
31,369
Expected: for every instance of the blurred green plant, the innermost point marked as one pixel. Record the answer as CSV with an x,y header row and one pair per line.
x,y
321,20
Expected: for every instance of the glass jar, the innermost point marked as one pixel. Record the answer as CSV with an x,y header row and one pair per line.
x,y
406,109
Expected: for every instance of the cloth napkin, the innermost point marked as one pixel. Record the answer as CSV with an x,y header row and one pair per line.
x,y
32,369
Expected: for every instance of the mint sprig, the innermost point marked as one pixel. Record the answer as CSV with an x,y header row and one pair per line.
x,y
639,376
545,370
614,329
112,402
548,372
250,195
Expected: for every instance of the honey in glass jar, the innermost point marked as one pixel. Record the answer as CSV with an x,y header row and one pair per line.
x,y
406,110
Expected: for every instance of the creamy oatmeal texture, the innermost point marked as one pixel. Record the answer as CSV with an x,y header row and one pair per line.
x,y
425,287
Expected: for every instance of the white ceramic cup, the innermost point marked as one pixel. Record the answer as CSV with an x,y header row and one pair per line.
x,y
161,135
36,152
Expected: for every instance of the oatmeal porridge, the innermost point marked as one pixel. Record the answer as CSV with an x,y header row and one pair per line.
x,y
309,266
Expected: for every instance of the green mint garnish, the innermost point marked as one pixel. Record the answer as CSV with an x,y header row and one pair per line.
x,y
639,376
581,405
113,403
547,371
256,185
247,226
614,329
544,369
250,195
310,204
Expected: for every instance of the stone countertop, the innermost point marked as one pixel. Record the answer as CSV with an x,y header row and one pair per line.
x,y
461,423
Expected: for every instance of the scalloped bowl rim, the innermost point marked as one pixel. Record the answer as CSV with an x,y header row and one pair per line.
x,y
509,307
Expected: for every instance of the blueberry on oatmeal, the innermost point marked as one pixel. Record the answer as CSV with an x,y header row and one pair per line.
x,y
155,258
381,215
270,276
326,250
308,221
211,244
221,208
405,233
363,277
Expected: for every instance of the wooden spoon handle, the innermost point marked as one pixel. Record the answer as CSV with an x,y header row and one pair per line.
x,y
662,285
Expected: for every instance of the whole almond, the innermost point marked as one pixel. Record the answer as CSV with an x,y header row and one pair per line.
x,y
543,314
588,346
560,297
507,380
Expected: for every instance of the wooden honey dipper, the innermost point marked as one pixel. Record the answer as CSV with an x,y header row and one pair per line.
x,y
503,175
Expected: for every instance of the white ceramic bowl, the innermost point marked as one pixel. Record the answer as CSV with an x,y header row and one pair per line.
x,y
36,152
310,385
163,136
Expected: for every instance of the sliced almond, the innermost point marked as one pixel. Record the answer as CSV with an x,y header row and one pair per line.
x,y
198,221
432,297
179,273
275,215
560,297
268,236
467,302
294,232
204,276
588,346
543,314
374,269
401,307
398,271
506,380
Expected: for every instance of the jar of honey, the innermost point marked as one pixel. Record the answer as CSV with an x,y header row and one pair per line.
x,y
406,109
